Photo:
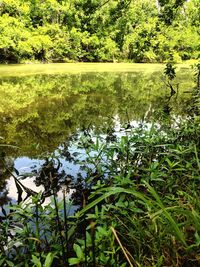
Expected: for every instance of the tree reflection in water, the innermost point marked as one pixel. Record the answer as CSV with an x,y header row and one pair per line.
x,y
41,113
5,164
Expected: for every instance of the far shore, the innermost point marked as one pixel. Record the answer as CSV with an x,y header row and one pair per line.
x,y
61,68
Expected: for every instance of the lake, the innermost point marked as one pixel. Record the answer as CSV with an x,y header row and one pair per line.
x,y
44,108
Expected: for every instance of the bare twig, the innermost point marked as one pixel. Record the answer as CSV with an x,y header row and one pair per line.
x,y
119,242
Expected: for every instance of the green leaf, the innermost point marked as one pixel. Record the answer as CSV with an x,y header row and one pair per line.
x,y
167,215
113,191
10,263
36,261
197,237
78,251
103,231
49,259
73,261
1,261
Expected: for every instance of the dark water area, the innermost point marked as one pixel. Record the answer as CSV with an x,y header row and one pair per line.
x,y
42,117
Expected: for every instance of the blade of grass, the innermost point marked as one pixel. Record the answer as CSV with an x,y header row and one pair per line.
x,y
173,223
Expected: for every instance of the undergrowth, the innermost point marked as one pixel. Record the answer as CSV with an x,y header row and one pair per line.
x,y
139,206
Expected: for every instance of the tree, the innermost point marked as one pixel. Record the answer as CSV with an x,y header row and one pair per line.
x,y
169,9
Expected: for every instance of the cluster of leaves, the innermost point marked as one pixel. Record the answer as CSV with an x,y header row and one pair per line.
x,y
139,206
145,187
77,30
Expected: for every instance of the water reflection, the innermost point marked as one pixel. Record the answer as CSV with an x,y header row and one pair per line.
x,y
39,113
5,164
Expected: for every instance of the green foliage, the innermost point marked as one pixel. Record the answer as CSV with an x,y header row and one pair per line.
x,y
146,193
59,31
169,10
197,74
170,71
143,207
47,263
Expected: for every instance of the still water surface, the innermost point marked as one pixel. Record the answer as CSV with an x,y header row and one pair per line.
x,y
40,112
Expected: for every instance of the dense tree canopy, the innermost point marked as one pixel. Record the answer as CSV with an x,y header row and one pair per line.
x,y
99,30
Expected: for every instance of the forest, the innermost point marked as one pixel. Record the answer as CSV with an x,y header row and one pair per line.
x,y
99,30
